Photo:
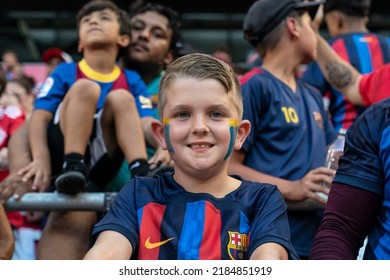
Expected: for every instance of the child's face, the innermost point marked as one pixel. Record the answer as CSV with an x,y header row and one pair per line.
x,y
150,38
200,126
23,99
98,29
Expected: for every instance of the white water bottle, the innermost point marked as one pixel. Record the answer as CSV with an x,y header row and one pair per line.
x,y
335,151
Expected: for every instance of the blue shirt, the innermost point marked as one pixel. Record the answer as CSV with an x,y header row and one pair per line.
x,y
289,137
65,75
164,221
366,165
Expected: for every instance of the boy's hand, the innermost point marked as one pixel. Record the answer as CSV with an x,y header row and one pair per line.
x,y
39,171
314,181
317,21
160,157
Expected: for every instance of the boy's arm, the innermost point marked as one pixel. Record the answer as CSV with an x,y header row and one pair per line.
x,y
39,168
269,251
339,73
19,154
110,245
298,190
7,242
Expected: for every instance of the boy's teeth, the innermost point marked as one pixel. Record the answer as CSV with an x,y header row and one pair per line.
x,y
200,146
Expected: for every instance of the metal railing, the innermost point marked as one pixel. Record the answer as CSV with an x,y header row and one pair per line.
x,y
61,202
100,202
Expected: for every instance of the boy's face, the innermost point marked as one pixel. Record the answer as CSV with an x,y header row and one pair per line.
x,y
100,28
200,126
308,39
150,38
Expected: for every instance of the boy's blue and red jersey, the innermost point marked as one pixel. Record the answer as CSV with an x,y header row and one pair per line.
x,y
65,75
289,137
366,165
366,52
163,221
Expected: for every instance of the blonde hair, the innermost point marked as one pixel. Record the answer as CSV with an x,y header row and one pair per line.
x,y
200,67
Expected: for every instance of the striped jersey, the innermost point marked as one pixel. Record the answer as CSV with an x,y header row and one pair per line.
x,y
163,221
366,165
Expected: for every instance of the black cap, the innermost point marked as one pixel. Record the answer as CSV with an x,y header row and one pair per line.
x,y
358,8
265,15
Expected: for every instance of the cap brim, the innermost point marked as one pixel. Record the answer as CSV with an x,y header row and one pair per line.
x,y
307,4
311,7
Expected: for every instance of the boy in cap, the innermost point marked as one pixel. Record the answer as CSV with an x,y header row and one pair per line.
x,y
290,128
346,21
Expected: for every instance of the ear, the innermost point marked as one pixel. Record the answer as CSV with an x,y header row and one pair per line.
x,y
168,57
158,133
340,19
124,40
243,131
80,47
292,27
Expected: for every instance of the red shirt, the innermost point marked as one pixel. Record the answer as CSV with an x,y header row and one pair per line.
x,y
375,86
11,117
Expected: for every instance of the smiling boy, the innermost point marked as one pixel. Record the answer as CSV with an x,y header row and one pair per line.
x,y
199,211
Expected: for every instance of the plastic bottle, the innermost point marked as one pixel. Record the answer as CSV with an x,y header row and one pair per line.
x,y
335,151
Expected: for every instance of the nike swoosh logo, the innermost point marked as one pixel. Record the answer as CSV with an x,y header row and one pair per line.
x,y
150,245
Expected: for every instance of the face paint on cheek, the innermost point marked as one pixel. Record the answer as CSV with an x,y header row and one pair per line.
x,y
233,128
167,136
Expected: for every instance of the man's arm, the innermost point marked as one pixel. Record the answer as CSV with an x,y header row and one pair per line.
x,y
349,214
110,245
339,73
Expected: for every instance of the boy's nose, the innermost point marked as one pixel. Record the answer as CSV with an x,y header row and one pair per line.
x,y
200,126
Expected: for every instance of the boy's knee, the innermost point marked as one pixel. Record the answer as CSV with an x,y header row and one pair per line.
x,y
84,88
120,97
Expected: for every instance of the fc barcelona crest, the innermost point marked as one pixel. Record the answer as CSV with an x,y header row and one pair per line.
x,y
318,119
238,245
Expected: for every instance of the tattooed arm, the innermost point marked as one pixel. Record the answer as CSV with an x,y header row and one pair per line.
x,y
339,73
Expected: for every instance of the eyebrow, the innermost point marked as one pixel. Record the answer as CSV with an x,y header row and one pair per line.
x,y
160,27
180,107
183,107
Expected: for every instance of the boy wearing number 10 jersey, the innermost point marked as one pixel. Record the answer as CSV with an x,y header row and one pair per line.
x,y
290,128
